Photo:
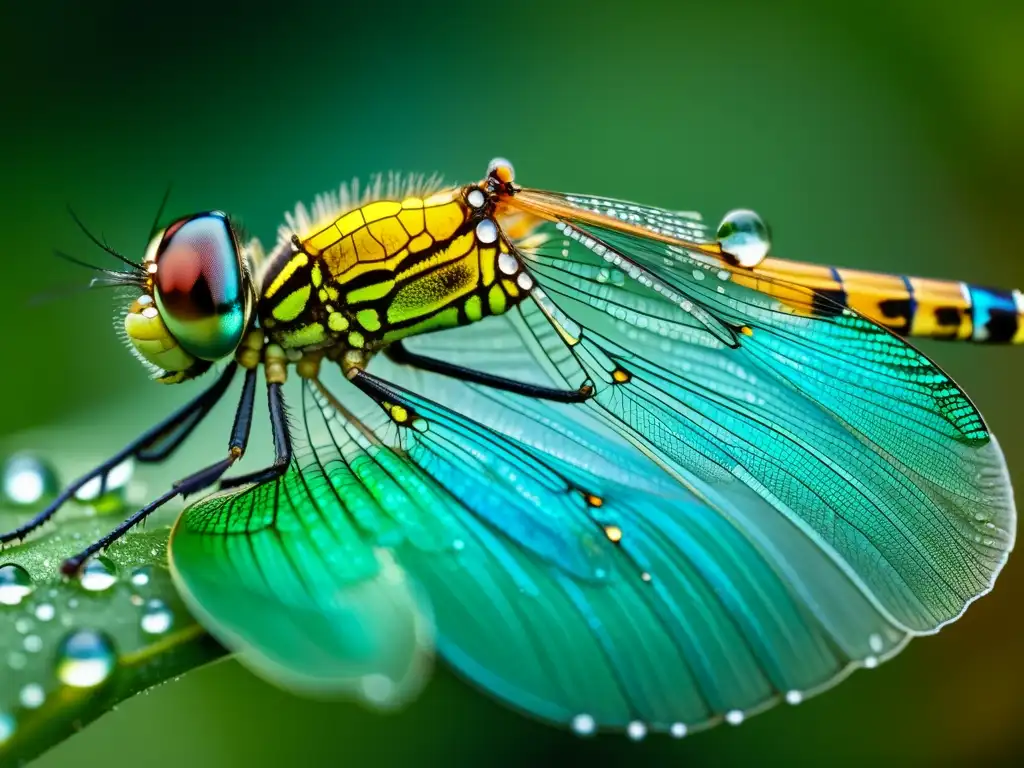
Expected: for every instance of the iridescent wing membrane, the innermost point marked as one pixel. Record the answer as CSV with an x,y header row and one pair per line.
x,y
757,499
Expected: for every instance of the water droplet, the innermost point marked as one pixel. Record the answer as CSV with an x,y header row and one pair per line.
x,y
871,662
377,689
98,575
45,612
794,697
85,659
114,496
678,730
15,584
744,236
27,480
7,725
141,576
33,643
636,730
584,725
157,619
875,641
32,696
16,660
734,717
22,625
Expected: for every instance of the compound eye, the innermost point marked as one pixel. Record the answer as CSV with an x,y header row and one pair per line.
x,y
198,285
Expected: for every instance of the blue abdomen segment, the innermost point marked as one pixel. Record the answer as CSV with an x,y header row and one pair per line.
x,y
996,315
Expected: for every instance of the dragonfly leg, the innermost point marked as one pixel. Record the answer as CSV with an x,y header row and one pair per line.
x,y
194,483
155,445
282,444
398,353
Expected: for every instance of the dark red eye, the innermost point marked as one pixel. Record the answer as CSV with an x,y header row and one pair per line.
x,y
198,285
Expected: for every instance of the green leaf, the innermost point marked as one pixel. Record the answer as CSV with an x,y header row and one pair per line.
x,y
129,599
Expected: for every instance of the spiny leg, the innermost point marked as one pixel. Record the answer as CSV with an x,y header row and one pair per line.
x,y
154,445
282,444
399,354
195,482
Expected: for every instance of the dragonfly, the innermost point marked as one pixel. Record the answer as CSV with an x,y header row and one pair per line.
x,y
618,471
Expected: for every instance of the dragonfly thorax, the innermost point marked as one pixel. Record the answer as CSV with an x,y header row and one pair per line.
x,y
389,269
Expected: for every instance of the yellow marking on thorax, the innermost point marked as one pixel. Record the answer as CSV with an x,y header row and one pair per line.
x,y
435,290
298,261
306,336
457,249
292,305
375,234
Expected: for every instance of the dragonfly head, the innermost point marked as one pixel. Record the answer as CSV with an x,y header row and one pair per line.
x,y
198,297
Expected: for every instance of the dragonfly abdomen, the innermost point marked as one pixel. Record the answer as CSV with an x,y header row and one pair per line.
x,y
389,269
909,306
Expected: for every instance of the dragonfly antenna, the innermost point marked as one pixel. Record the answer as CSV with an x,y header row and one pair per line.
x,y
101,244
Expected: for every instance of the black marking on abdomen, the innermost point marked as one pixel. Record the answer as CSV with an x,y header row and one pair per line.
x,y
898,309
948,317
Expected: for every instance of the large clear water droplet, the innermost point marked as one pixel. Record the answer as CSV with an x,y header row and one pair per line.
x,y
98,575
26,480
157,618
45,612
15,584
7,727
113,496
85,659
744,236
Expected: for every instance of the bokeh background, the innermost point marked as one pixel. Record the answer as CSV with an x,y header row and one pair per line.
x,y
869,134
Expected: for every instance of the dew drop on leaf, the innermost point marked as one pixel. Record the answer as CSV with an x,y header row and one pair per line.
x,y
32,696
85,659
113,497
141,576
157,618
26,480
15,584
99,574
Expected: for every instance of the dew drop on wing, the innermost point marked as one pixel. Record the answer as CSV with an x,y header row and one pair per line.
x,y
745,237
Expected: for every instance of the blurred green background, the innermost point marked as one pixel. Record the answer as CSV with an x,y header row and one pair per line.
x,y
869,134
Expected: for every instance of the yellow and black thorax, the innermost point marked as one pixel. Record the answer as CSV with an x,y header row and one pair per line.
x,y
390,269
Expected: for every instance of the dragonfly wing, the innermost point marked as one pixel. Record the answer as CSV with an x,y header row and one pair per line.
x,y
565,572
844,428
302,598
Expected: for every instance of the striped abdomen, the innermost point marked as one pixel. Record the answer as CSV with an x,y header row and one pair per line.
x,y
390,269
909,306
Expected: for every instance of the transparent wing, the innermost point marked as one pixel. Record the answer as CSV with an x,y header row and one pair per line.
x,y
754,502
564,571
839,425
